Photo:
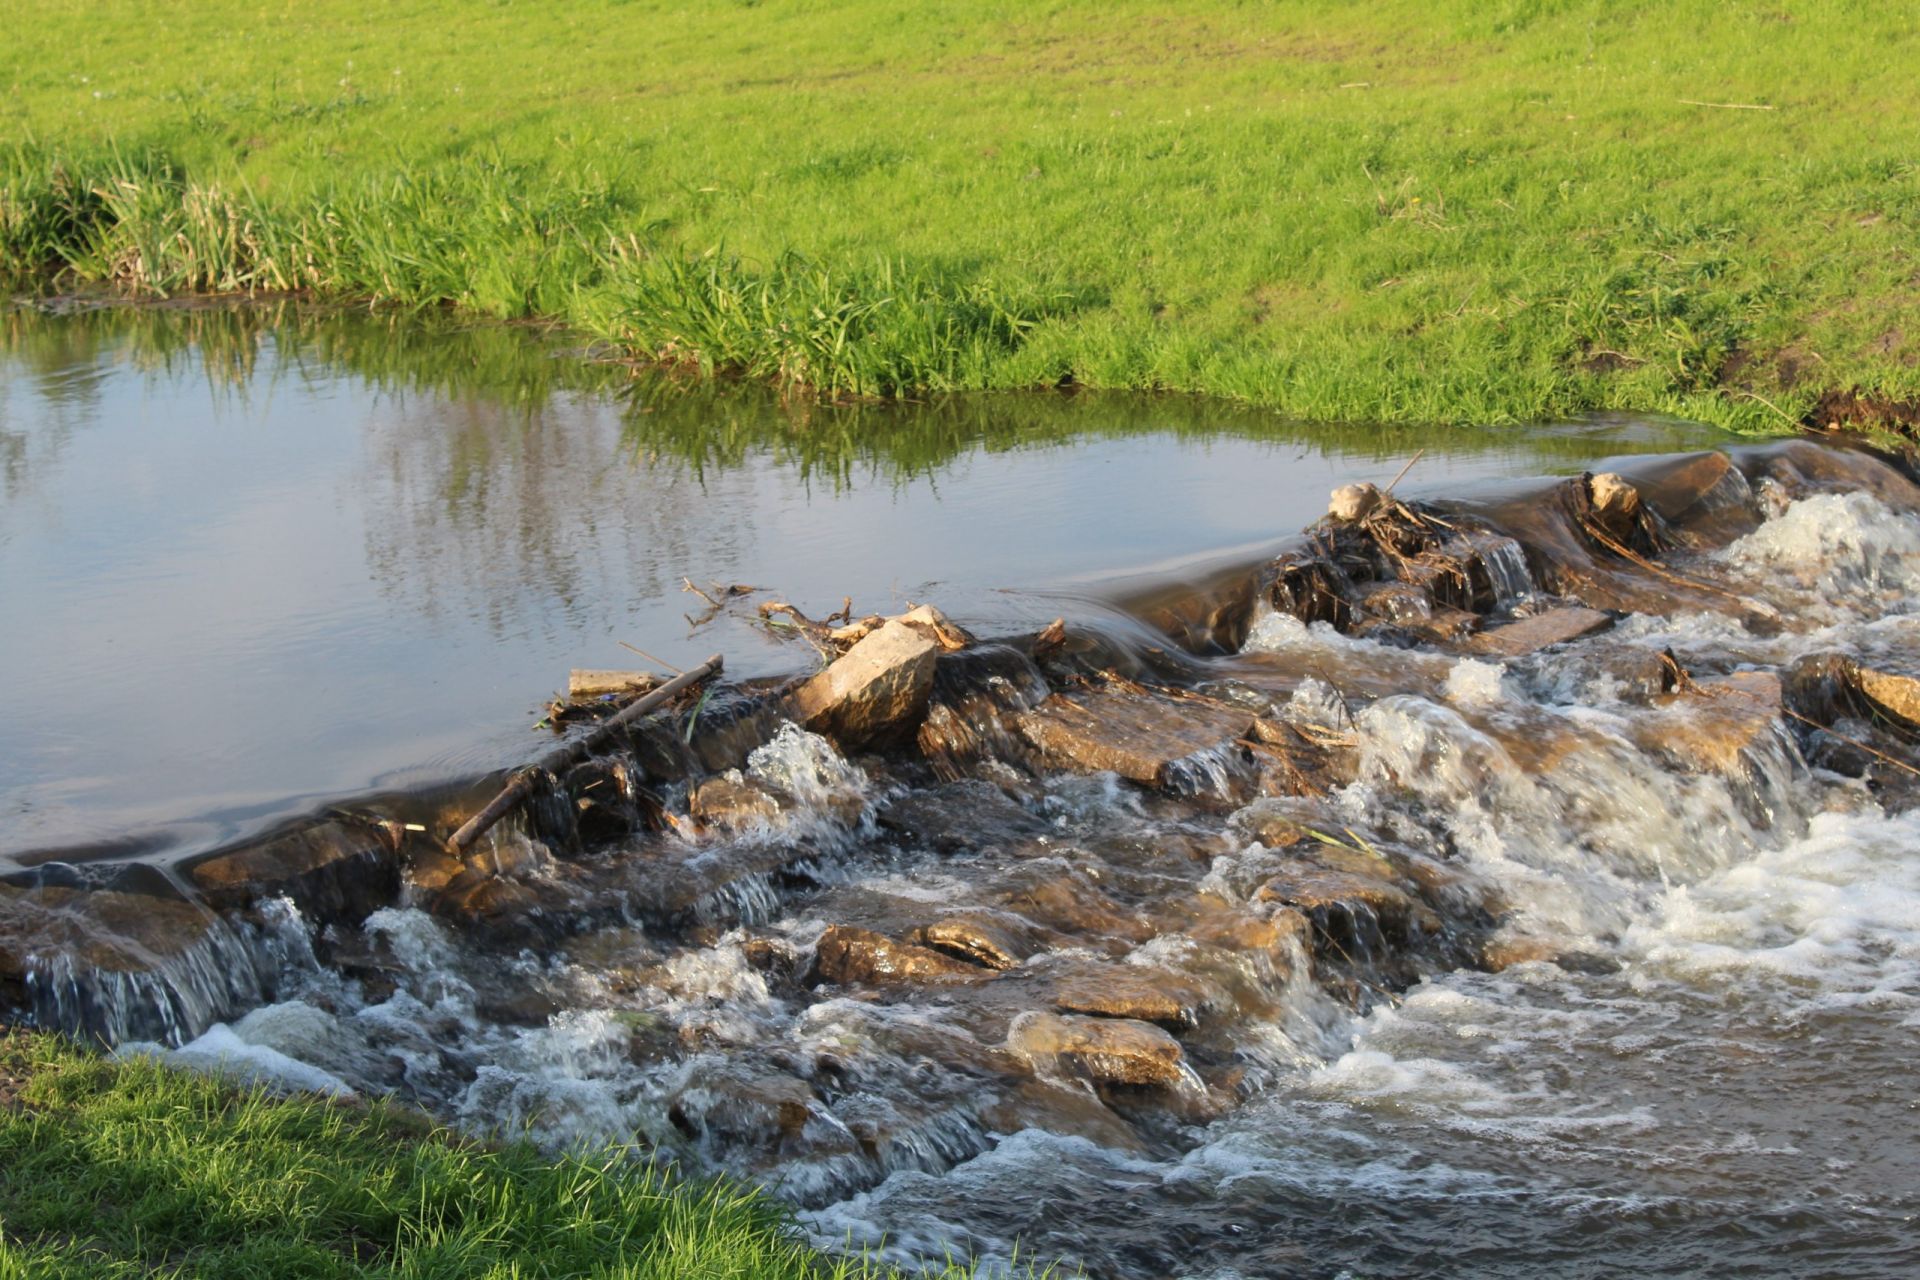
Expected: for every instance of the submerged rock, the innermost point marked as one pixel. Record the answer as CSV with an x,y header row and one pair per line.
x,y
1141,737
848,956
333,870
1118,1051
1529,635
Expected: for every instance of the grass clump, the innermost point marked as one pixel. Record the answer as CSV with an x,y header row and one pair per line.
x,y
1411,211
132,1170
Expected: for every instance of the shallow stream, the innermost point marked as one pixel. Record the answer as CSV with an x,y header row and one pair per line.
x,y
1640,1005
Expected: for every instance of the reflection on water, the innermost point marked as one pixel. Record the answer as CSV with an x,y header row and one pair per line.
x,y
256,557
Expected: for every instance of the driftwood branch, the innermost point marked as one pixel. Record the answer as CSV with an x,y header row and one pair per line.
x,y
521,785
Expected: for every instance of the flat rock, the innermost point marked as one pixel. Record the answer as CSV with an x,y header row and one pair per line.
x,y
1132,991
1110,1050
1139,737
848,956
1528,635
332,870
878,687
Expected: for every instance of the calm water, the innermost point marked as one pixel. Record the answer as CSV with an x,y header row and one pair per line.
x,y
251,560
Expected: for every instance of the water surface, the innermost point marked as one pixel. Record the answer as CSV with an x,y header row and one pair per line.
x,y
255,559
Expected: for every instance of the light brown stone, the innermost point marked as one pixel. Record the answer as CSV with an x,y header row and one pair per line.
x,y
1132,991
1352,502
928,620
729,802
1890,692
1111,1050
878,687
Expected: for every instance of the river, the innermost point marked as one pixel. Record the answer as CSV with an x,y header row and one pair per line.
x,y
261,560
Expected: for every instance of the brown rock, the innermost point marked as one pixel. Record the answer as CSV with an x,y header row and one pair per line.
x,y
1238,929
332,870
1310,886
1136,736
729,802
1890,692
1715,725
938,627
1031,1104
1352,502
1109,1050
847,956
980,938
96,929
876,688
1527,635
1132,991
1073,906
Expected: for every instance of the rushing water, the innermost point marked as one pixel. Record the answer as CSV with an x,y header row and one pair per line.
x,y
1713,1077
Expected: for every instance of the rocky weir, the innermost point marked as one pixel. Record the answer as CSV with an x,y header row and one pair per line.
x,y
1106,882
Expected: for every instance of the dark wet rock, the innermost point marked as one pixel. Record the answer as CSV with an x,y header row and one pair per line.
x,y
876,689
1801,468
731,802
1115,1051
1073,905
1033,1104
992,940
1141,737
1702,498
738,1103
968,814
1312,587
1529,635
119,965
847,956
970,711
336,870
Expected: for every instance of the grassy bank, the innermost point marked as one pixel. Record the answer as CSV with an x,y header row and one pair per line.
x,y
1451,211
131,1170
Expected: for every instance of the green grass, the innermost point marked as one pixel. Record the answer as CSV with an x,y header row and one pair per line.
x,y
1482,211
132,1170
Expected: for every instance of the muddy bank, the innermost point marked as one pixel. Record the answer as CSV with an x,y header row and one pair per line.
x,y
1107,884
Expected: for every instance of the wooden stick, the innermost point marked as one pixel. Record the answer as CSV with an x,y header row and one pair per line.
x,y
1403,471
521,785
1727,106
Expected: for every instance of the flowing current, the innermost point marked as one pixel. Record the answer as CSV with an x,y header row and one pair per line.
x,y
1680,1041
